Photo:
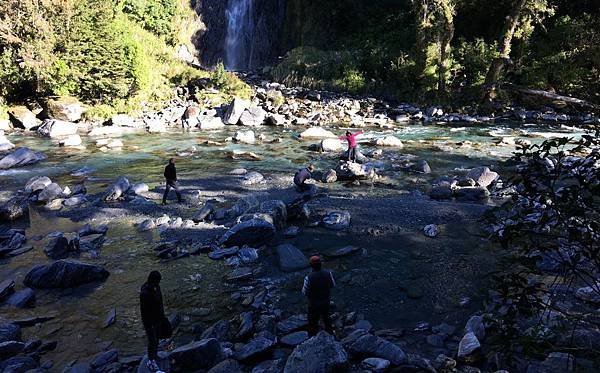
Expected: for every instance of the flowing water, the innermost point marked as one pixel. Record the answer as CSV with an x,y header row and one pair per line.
x,y
240,28
455,265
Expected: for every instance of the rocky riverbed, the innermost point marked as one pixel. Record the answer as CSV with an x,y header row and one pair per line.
x,y
82,227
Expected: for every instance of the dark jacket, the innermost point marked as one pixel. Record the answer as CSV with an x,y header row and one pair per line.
x,y
317,287
151,305
170,172
301,176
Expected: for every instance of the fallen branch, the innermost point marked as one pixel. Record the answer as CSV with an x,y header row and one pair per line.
x,y
550,96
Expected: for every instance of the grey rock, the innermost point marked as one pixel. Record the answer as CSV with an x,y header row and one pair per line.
x,y
252,178
58,248
22,117
223,253
482,176
294,339
422,167
203,213
370,345
197,355
54,128
330,176
18,364
253,116
468,347
253,232
472,193
342,251
278,211
431,230
92,242
375,364
10,332
269,366
235,110
337,220
219,330
119,188
291,258
258,346
111,318
22,298
440,192
319,354
248,255
246,325
146,225
292,324
475,325
50,192
37,183
14,208
10,349
21,157
226,366
64,274
64,108
104,358
7,287
351,171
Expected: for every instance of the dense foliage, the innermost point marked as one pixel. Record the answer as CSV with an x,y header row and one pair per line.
x,y
436,49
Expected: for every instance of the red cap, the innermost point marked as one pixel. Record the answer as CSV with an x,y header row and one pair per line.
x,y
315,259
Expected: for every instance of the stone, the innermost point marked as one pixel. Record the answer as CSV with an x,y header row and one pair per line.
x,y
10,332
248,255
294,339
223,253
156,126
226,366
431,230
235,110
319,354
140,188
374,346
22,117
440,192
375,364
336,220
468,347
330,176
588,294
14,209
253,116
70,141
253,232
252,178
475,325
239,274
257,347
435,340
245,137
291,259
277,210
57,128
50,192
92,242
10,349
203,213
421,167
57,248
219,330
317,133
5,125
7,287
64,274
146,225
21,157
5,144
22,298
18,364
351,171
292,323
196,355
104,358
363,325
391,141
342,251
246,325
476,193
64,108
119,188
111,318
124,120
482,176
332,145
276,120
207,123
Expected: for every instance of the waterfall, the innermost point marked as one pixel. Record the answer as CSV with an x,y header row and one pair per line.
x,y
240,31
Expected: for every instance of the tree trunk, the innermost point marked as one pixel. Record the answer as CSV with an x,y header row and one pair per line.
x,y
422,13
445,37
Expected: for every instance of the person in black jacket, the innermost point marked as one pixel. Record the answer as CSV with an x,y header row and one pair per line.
x,y
171,177
301,176
153,314
317,288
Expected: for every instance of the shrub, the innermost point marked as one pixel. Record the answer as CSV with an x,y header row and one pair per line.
x,y
473,60
228,82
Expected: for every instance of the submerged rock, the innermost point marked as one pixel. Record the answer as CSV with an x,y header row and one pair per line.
x,y
64,274
21,157
319,354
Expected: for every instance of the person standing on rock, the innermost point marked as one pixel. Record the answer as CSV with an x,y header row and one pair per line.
x,y
317,288
171,178
301,176
351,138
153,316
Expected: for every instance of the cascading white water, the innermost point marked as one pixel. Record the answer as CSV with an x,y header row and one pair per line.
x,y
240,29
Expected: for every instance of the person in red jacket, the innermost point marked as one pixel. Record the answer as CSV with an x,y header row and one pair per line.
x,y
351,138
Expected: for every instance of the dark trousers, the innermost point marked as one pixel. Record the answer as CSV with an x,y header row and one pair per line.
x,y
152,334
315,313
352,154
171,184
302,187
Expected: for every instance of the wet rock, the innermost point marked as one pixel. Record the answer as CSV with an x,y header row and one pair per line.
x,y
57,128
21,157
431,230
375,365
74,201
37,183
18,364
332,145
22,117
104,358
337,220
7,287
320,354
257,347
276,120
58,248
482,176
64,274
146,225
197,355
294,339
118,189
317,133
14,209
5,144
291,258
330,176
50,193
203,213
253,116
342,251
226,366
245,137
252,178
370,345
253,232
468,348
235,110
223,253
421,167
477,193
391,141
292,324
70,141
475,325
10,332
22,298
64,108
248,255
241,154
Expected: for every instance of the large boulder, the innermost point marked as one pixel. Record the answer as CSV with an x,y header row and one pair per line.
x,y
373,346
37,183
14,208
22,117
235,110
21,157
207,123
253,116
277,210
332,145
57,128
253,232
124,120
317,133
58,248
64,274
245,137
64,108
476,193
256,347
482,176
291,258
70,141
319,354
119,188
391,141
50,193
197,355
5,144
351,171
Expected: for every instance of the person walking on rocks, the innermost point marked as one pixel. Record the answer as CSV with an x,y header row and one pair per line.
x,y
317,288
171,178
153,316
301,176
351,138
